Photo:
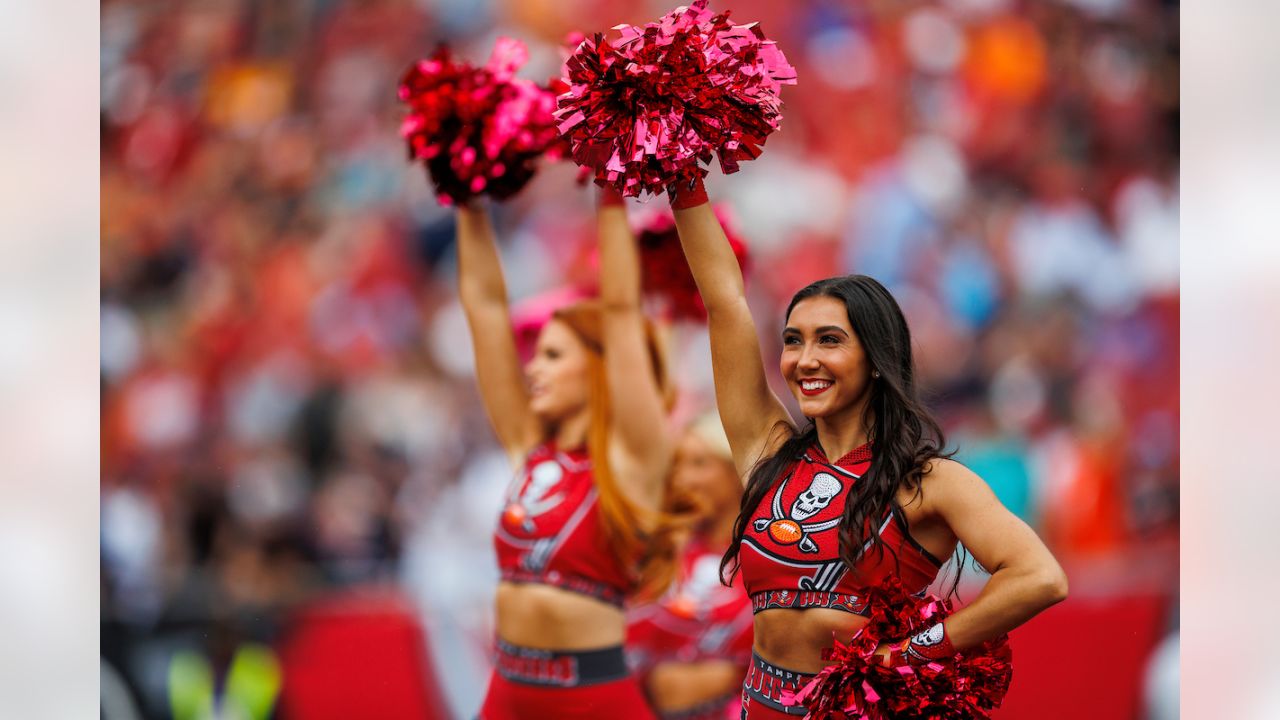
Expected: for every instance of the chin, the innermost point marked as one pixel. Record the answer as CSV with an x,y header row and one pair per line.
x,y
542,410
808,407
816,410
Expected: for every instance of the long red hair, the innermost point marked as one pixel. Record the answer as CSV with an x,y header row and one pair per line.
x,y
641,539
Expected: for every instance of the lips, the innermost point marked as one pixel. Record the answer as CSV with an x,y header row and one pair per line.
x,y
814,386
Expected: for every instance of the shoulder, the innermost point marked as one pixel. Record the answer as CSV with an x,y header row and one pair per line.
x,y
942,470
946,481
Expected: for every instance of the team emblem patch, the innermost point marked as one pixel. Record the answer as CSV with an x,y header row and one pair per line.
x,y
535,497
790,528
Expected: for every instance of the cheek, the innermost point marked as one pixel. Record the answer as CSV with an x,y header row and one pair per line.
x,y
786,364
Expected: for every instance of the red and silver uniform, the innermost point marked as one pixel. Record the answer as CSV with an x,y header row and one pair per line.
x,y
790,559
699,618
550,533
790,554
550,530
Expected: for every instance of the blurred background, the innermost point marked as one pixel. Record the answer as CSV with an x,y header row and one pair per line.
x,y
298,482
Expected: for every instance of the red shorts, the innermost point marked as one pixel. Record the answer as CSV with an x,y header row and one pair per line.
x,y
763,689
534,684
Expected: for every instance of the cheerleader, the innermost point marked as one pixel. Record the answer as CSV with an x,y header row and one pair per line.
x,y
863,491
690,649
583,424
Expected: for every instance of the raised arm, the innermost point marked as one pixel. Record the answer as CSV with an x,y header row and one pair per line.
x,y
749,410
484,300
640,440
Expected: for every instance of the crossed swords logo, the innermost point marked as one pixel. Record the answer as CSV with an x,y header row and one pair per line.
x,y
533,500
790,528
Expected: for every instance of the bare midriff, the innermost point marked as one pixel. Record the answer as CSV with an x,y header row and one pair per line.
x,y
679,686
549,618
795,639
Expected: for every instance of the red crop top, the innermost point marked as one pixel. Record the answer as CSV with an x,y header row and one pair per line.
x,y
790,553
550,532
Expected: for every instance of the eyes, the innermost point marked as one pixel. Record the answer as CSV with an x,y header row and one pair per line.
x,y
794,340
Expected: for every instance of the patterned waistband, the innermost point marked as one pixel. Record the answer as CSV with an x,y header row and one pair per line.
x,y
572,583
805,599
766,683
554,668
709,710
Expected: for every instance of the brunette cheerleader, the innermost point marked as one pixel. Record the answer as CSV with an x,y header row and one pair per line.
x,y
862,492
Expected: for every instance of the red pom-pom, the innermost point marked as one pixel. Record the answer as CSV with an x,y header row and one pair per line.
x,y
646,111
858,686
664,270
479,131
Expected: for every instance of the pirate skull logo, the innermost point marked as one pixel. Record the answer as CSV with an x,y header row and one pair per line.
x,y
824,487
930,637
790,528
533,500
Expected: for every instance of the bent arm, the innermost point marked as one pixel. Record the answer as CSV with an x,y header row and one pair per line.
x,y
483,293
749,410
637,409
1025,577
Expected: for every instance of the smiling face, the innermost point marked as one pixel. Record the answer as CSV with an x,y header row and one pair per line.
x,y
822,358
559,384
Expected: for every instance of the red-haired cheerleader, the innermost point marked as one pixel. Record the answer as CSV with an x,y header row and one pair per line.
x,y
584,424
692,646
862,495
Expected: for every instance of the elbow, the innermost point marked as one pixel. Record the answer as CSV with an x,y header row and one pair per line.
x,y
1053,587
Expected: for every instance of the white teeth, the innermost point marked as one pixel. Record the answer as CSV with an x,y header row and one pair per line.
x,y
814,384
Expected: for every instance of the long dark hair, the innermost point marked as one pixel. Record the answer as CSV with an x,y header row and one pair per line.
x,y
904,435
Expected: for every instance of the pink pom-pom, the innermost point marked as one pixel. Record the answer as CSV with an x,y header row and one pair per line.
x,y
664,270
858,685
647,110
478,130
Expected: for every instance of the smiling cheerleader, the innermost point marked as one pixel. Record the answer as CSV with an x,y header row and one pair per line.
x,y
846,517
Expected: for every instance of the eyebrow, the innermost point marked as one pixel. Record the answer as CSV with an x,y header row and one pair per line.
x,y
818,331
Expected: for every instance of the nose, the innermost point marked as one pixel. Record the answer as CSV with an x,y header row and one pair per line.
x,y
808,358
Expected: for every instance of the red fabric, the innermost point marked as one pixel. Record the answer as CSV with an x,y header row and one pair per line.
x,y
551,528
684,197
929,645
358,656
759,711
617,700
698,618
610,197
784,550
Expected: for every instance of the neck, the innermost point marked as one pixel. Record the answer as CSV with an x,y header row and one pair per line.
x,y
571,432
841,433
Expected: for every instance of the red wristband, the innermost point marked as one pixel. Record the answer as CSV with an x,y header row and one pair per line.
x,y
684,197
929,646
610,197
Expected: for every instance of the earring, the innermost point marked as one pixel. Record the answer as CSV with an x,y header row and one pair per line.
x,y
875,374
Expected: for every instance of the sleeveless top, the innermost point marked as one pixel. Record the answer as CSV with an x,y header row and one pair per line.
x,y
550,531
790,553
698,618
